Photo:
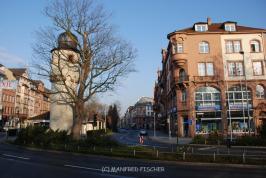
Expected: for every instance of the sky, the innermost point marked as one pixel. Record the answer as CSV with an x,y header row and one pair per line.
x,y
144,23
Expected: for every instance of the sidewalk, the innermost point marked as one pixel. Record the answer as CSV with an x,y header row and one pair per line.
x,y
171,140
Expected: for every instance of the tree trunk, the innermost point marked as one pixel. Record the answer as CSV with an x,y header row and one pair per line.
x,y
78,116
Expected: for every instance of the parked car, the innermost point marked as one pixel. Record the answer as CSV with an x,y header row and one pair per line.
x,y
143,132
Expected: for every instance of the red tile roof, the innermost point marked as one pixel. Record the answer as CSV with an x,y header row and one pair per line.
x,y
218,28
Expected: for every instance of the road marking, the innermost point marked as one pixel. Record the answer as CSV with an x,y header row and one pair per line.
x,y
13,156
207,148
7,159
81,167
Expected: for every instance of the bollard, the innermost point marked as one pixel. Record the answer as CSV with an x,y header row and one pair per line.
x,y
78,147
93,148
243,158
157,154
111,150
134,152
184,156
213,156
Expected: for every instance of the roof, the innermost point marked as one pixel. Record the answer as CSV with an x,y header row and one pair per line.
x,y
18,71
218,28
144,100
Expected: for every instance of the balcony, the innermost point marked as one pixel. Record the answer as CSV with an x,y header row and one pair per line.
x,y
179,59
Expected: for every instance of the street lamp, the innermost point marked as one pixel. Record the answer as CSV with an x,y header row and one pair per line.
x,y
18,117
245,74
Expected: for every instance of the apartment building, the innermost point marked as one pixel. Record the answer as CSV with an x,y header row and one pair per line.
x,y
212,79
140,115
23,101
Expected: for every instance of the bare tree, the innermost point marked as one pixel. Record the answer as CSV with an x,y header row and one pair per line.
x,y
103,58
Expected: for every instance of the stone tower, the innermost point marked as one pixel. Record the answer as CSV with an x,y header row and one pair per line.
x,y
64,78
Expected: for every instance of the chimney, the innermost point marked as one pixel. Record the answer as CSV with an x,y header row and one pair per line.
x,y
209,21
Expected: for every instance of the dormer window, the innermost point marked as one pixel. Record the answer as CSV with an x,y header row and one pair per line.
x,y
230,27
201,27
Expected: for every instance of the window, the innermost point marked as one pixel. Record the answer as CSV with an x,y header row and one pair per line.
x,y
205,69
184,96
255,46
201,69
207,96
235,69
204,47
233,46
178,48
182,75
257,68
238,97
201,27
209,68
260,92
230,27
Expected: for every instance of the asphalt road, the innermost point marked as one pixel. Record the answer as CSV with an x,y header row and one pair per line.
x,y
16,162
131,138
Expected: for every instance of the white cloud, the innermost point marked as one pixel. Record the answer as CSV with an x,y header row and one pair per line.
x,y
9,59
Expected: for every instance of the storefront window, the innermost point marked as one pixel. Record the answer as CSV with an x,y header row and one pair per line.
x,y
240,108
208,110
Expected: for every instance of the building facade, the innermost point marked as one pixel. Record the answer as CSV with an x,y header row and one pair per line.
x,y
141,115
212,79
18,98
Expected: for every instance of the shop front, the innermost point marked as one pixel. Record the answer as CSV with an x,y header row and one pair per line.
x,y
208,110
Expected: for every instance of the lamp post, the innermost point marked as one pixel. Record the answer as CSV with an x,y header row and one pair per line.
x,y
105,118
245,74
18,118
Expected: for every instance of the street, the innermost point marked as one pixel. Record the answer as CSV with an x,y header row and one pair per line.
x,y
19,162
131,137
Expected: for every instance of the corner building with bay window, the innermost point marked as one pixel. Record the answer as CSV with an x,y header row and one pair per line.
x,y
213,78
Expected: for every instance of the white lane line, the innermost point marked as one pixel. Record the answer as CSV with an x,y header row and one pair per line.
x,y
7,159
81,167
13,156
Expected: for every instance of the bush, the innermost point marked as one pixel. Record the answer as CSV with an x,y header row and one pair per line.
x,y
262,130
198,139
251,141
214,138
44,137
